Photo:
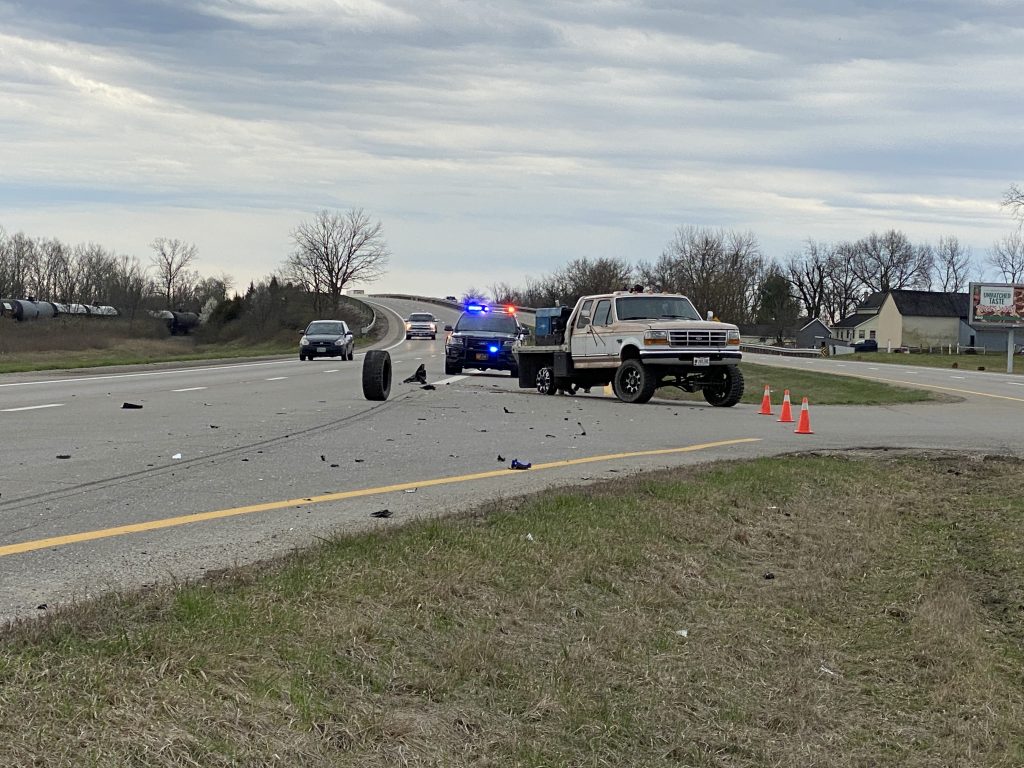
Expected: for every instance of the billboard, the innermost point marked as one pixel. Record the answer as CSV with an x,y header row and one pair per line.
x,y
995,305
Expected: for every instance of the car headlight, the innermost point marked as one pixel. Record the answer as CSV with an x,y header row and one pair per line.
x,y
303,342
655,338
732,338
341,342
408,326
454,341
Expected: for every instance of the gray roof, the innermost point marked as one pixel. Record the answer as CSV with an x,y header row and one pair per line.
x,y
930,303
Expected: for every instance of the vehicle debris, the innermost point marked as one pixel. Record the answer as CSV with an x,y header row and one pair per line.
x,y
130,406
420,376
176,456
63,455
517,464
381,513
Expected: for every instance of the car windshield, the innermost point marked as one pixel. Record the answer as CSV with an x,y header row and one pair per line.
x,y
655,308
326,328
421,317
496,323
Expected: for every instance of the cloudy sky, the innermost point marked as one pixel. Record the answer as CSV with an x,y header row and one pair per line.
x,y
497,139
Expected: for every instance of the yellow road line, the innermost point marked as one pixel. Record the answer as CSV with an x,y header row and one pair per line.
x,y
171,522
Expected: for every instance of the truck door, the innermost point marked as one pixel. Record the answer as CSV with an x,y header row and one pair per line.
x,y
580,336
596,343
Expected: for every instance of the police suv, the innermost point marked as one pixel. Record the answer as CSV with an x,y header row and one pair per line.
x,y
483,338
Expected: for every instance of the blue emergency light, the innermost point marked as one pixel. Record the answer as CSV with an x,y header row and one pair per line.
x,y
493,349
477,308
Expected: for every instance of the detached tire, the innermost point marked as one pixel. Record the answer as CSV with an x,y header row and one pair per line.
x,y
377,375
727,390
633,383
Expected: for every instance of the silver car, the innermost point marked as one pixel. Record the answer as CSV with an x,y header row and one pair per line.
x,y
421,324
327,338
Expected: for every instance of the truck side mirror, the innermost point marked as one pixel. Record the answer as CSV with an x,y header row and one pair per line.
x,y
448,328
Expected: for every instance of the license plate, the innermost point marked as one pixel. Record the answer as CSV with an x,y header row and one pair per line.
x,y
481,355
702,361
321,349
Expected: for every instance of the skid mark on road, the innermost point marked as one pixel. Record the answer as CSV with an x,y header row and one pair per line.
x,y
219,514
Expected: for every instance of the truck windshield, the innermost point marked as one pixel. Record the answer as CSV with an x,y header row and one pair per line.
x,y
496,323
655,308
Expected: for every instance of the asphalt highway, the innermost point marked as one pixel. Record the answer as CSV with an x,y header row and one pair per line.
x,y
234,462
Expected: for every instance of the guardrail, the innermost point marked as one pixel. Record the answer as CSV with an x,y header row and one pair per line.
x,y
440,302
768,349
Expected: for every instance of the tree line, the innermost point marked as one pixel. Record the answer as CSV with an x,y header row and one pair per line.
x,y
726,271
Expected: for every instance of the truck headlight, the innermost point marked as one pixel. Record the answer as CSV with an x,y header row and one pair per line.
x,y
655,338
732,338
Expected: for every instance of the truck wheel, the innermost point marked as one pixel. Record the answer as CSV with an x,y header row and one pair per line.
x,y
452,369
546,381
727,388
376,375
633,383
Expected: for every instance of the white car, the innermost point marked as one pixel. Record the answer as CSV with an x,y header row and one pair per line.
x,y
422,324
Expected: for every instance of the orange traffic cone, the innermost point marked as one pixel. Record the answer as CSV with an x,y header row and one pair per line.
x,y
804,426
786,417
766,403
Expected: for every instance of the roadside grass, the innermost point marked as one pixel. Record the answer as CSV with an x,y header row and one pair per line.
x,y
848,610
67,343
818,388
993,361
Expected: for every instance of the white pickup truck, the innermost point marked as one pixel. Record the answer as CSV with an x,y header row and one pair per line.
x,y
636,342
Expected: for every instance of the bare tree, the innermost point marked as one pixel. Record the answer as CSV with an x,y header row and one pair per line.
x,y
843,289
1013,200
890,261
719,270
1007,256
808,273
952,264
335,249
171,260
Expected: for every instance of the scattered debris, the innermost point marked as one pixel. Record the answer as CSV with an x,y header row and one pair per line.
x,y
214,426
529,537
548,435
769,576
358,461
322,457
335,466
517,464
130,406
420,376
410,490
501,458
428,386
583,430
683,632
63,455
506,409
176,456
827,671
381,513
41,607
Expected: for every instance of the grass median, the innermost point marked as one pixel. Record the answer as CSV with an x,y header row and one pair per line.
x,y
818,388
808,610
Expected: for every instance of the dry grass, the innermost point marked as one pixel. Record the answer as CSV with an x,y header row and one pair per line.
x,y
890,634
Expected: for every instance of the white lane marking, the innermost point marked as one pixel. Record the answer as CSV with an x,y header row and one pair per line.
x,y
418,359
332,370
146,373
958,377
450,380
33,407
188,389
277,378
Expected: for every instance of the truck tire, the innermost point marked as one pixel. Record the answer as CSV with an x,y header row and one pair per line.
x,y
376,375
633,383
727,390
452,369
546,381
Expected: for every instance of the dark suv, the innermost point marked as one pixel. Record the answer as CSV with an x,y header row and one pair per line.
x,y
484,339
866,345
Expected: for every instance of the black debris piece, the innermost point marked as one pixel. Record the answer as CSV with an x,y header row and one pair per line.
x,y
244,459
322,457
428,386
506,409
358,461
130,406
335,466
214,426
517,464
501,458
419,377
580,425
381,513
769,576
41,607
548,435
63,455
